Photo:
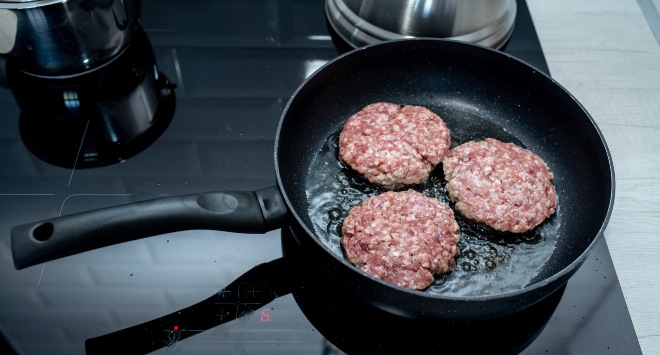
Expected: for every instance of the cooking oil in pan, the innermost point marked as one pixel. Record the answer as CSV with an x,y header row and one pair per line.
x,y
491,262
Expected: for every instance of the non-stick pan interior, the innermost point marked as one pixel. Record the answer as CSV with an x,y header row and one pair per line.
x,y
480,93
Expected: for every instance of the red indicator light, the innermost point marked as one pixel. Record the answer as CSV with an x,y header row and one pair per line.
x,y
176,327
265,317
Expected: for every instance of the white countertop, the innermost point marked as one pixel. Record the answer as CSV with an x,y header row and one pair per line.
x,y
605,53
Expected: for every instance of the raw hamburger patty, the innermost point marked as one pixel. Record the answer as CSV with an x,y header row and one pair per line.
x,y
394,146
500,184
403,238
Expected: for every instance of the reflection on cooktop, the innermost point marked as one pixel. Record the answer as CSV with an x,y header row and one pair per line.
x,y
97,118
245,297
348,323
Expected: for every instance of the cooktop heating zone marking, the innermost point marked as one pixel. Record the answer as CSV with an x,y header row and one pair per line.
x,y
43,267
85,195
80,146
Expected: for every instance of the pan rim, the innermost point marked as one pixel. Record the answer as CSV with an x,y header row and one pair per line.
x,y
567,271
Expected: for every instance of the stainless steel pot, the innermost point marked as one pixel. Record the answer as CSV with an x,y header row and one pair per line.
x,y
65,37
361,22
98,118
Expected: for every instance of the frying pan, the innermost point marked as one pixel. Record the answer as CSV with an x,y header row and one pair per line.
x,y
479,91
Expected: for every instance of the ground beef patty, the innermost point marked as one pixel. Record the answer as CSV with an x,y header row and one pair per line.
x,y
500,184
394,146
403,238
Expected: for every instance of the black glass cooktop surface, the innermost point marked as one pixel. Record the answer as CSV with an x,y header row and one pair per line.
x,y
193,106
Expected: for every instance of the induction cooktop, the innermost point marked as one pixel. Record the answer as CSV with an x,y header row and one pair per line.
x,y
199,105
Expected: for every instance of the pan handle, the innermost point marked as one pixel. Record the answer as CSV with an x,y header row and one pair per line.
x,y
231,211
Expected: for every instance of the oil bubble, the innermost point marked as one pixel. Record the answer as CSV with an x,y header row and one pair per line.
x,y
490,264
334,213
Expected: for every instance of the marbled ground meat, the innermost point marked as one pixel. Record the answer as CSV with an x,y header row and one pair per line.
x,y
394,146
500,184
403,238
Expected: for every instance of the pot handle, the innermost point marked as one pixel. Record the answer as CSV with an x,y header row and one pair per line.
x,y
231,211
244,297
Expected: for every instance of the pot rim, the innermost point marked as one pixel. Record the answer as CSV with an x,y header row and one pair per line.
x,y
27,4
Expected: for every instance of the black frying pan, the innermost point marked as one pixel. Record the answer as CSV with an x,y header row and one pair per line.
x,y
478,91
